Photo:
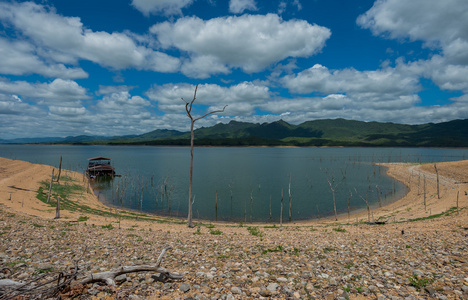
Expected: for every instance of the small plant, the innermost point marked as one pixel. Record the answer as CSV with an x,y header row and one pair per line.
x,y
223,256
328,249
271,227
216,232
408,246
210,226
37,225
254,231
313,229
83,219
339,229
109,226
278,248
349,265
198,230
419,282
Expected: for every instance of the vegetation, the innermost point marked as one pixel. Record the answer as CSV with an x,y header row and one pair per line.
x,y
337,132
254,231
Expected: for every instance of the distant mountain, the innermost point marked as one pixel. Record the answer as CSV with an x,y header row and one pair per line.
x,y
328,132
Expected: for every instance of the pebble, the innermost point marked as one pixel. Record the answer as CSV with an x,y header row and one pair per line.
x,y
364,262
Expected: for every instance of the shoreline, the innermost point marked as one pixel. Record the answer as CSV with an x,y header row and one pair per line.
x,y
13,185
423,259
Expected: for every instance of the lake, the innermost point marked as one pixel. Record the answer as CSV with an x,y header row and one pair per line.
x,y
240,184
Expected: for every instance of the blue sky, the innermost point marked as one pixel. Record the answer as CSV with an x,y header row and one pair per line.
x,y
121,67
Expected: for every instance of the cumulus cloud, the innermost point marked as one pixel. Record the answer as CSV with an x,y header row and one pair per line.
x,y
68,36
249,42
320,79
239,6
440,24
165,7
18,58
59,91
241,98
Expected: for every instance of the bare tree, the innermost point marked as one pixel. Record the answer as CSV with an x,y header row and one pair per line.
x,y
188,109
333,186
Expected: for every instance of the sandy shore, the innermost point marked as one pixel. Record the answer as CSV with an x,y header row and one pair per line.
x,y
20,181
323,259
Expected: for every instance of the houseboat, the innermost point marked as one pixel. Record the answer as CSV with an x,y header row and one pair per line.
x,y
99,166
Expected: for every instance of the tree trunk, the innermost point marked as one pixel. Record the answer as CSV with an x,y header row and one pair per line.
x,y
189,218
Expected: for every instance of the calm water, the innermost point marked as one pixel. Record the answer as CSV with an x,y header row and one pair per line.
x,y
240,183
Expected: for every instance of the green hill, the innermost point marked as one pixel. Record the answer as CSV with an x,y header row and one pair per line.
x,y
328,132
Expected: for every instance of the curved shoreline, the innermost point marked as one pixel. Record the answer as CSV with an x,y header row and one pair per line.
x,y
20,180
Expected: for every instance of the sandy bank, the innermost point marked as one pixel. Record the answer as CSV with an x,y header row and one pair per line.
x,y
20,181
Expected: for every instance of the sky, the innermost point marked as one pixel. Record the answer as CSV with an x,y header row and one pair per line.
x,y
120,67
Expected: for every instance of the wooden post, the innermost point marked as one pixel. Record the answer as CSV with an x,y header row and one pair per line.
x,y
216,206
425,208
437,173
57,210
289,189
50,186
458,193
60,169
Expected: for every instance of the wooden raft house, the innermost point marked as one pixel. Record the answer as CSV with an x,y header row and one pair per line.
x,y
100,166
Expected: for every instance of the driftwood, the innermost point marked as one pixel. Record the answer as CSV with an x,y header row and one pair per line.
x,y
109,276
62,282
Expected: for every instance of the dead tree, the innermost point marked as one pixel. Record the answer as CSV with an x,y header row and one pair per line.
x,y
289,190
332,188
108,277
188,109
10,289
367,204
281,212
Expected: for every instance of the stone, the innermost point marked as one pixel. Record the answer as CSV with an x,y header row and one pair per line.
x,y
184,287
272,287
236,290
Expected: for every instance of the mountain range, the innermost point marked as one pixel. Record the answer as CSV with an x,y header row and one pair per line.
x,y
327,132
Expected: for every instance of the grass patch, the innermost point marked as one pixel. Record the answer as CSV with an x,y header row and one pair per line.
x,y
278,248
418,282
83,219
68,188
254,231
339,229
328,249
446,213
108,226
271,227
216,232
37,225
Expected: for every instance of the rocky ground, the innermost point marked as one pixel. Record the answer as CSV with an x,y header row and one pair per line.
x,y
425,259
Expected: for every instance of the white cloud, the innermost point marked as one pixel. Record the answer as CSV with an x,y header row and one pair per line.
x,y
241,98
249,42
388,81
59,91
166,7
68,37
239,6
440,24
18,58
